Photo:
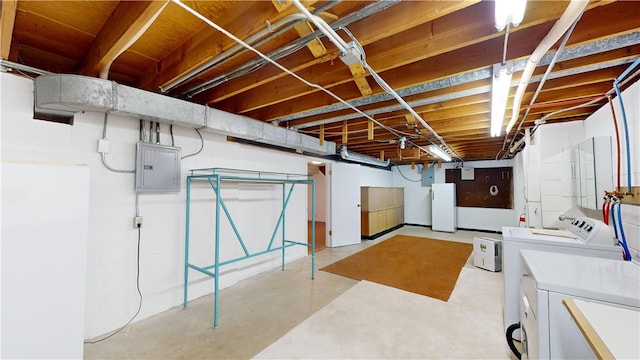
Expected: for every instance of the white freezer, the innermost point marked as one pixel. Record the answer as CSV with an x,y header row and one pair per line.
x,y
443,207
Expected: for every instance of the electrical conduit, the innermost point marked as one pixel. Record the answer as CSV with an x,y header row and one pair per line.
x,y
275,63
343,46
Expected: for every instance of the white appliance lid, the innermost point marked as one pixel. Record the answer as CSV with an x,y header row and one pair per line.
x,y
527,236
609,280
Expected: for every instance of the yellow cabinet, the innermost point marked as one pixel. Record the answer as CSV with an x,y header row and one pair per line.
x,y
382,209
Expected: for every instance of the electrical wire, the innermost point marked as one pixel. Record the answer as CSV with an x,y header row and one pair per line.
x,y
104,159
506,41
139,303
201,144
316,86
406,178
275,63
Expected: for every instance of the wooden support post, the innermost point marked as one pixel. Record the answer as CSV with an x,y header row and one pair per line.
x,y
345,132
413,165
321,134
382,155
370,130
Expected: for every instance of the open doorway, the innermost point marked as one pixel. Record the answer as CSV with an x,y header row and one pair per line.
x,y
317,171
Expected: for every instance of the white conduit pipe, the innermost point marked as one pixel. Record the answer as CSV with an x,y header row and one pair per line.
x,y
322,25
573,11
276,64
232,51
342,46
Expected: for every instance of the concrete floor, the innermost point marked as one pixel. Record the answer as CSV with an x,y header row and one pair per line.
x,y
253,313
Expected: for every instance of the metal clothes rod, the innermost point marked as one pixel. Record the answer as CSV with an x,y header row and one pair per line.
x,y
215,177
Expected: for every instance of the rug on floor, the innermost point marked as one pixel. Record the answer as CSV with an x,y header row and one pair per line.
x,y
373,321
424,266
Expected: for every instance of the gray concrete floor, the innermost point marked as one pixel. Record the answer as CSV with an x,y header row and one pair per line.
x,y
253,313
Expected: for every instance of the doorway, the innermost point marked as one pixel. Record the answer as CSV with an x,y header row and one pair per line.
x,y
317,171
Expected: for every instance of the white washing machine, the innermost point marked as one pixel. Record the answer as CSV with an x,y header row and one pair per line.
x,y
548,331
516,239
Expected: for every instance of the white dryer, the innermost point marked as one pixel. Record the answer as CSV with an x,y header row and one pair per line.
x,y
516,239
548,331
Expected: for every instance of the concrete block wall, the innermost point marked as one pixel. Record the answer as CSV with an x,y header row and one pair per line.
x,y
418,199
111,296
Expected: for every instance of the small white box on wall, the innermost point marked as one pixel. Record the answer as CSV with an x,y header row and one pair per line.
x,y
487,253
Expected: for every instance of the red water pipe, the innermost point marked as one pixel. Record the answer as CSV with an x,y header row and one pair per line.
x,y
615,126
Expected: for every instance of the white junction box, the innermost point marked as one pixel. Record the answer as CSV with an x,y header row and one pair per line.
x,y
487,253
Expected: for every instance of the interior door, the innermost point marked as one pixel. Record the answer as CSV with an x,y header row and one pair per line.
x,y
345,205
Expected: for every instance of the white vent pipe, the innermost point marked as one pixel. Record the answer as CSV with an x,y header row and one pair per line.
x,y
104,73
573,12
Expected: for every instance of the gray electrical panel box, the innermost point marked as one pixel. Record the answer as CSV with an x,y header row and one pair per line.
x,y
157,168
427,175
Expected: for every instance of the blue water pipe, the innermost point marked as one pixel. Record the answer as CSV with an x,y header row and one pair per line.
x,y
623,239
624,117
613,222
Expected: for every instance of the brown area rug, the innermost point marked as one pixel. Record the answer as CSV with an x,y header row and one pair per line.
x,y
420,265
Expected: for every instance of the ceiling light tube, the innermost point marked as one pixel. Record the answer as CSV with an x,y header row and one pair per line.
x,y
509,12
435,150
500,85
362,158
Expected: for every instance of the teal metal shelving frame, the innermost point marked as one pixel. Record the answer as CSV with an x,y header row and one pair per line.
x,y
216,177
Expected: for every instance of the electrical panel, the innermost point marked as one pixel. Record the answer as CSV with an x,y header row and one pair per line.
x,y
157,168
427,175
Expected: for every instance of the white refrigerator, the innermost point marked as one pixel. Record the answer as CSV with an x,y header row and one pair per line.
x,y
443,207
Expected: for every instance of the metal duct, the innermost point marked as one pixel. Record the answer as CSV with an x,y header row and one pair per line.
x,y
69,94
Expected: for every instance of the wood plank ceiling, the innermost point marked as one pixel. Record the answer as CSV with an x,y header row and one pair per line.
x,y
436,54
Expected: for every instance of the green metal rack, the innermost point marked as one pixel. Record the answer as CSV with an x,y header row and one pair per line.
x,y
216,177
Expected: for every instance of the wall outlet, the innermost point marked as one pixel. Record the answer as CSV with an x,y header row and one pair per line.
x,y
137,222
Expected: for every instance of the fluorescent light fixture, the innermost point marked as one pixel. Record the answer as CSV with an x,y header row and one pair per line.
x,y
509,12
362,158
499,94
314,162
436,151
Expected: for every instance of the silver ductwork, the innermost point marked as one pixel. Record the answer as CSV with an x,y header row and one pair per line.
x,y
69,94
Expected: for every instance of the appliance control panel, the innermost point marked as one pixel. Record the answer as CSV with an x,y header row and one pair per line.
x,y
591,231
